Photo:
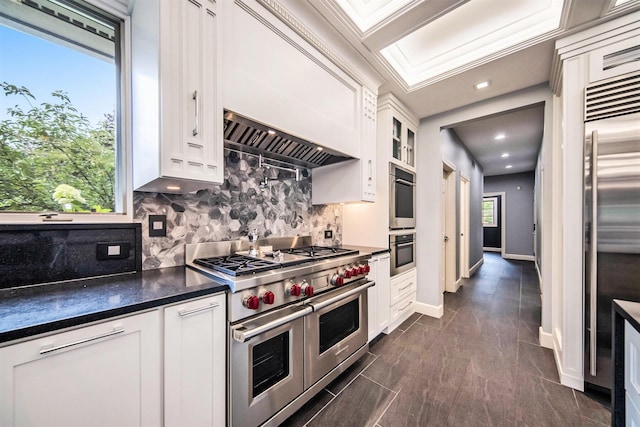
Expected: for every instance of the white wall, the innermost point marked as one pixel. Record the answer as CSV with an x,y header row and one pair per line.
x,y
429,165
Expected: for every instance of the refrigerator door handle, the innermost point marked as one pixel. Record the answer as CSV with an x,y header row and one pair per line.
x,y
593,256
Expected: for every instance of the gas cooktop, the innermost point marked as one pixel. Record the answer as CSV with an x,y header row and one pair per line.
x,y
243,264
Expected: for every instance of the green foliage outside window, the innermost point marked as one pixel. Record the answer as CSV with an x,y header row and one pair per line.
x,y
488,212
53,159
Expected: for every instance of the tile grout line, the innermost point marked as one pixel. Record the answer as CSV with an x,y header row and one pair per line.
x,y
395,394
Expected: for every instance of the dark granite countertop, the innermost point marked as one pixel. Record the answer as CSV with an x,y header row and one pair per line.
x,y
629,310
44,308
367,249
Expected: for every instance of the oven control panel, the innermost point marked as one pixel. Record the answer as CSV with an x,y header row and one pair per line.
x,y
263,298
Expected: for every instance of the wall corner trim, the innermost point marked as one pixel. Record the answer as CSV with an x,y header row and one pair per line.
x,y
430,310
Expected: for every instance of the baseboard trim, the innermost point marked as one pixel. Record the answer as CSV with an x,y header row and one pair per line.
x,y
430,310
546,339
475,268
492,249
519,257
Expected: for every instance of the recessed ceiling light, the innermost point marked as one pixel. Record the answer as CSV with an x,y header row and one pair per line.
x,y
504,155
500,136
172,187
482,85
508,167
271,132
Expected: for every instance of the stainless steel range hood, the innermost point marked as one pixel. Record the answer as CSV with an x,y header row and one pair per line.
x,y
247,135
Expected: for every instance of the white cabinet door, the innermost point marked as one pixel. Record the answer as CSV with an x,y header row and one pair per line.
x,y
383,280
177,111
378,295
101,375
194,363
360,175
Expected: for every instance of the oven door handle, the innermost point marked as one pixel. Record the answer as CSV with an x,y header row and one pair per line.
x,y
403,244
339,297
404,181
241,334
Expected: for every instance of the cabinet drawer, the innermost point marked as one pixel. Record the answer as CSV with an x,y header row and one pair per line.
x,y
399,312
402,286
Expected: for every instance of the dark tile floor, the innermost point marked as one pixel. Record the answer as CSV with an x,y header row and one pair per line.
x,y
478,365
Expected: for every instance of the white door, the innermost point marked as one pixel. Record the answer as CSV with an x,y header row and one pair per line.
x,y
443,228
464,226
106,374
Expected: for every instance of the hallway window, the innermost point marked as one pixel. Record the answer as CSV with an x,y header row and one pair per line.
x,y
489,207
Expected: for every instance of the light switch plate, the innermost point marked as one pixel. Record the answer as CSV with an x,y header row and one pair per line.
x,y
157,225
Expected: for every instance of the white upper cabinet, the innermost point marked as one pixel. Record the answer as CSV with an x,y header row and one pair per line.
x,y
397,131
354,180
177,113
273,75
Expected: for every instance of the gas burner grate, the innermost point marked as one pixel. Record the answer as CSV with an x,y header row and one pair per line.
x,y
237,265
320,251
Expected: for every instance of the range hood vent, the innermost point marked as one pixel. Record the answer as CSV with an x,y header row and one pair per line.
x,y
246,135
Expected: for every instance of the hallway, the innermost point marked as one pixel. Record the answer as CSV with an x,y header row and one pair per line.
x,y
478,365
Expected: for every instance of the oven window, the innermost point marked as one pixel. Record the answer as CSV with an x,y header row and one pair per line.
x,y
270,362
338,324
404,254
404,200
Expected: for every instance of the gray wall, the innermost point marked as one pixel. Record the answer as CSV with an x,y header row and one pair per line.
x,y
455,152
519,209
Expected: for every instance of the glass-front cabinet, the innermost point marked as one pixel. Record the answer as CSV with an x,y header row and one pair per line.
x,y
403,142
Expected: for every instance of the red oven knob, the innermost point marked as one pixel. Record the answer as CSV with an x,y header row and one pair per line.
x,y
252,302
337,280
360,269
347,274
354,272
367,269
268,297
293,290
307,289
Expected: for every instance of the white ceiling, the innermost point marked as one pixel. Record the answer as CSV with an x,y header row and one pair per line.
x,y
431,53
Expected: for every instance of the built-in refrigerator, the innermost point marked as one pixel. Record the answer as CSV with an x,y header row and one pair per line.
x,y
611,214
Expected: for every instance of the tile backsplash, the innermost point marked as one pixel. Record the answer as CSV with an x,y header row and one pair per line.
x,y
277,206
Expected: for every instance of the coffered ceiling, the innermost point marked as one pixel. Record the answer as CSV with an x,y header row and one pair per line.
x,y
432,53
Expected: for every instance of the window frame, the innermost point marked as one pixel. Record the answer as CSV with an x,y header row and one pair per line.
x,y
494,200
123,183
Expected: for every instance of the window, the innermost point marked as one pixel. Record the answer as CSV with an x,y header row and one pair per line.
x,y
60,109
489,212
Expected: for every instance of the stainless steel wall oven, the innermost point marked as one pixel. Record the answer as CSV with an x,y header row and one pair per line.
x,y
402,198
403,252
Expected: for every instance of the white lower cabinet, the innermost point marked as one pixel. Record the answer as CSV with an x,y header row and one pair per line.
x,y
402,298
194,363
378,295
107,374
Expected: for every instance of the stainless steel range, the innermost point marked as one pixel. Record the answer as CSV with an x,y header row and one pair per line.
x,y
297,317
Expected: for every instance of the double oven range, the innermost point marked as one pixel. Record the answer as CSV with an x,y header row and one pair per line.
x,y
297,318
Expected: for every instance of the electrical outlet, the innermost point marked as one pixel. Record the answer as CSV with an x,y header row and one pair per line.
x,y
328,234
105,251
157,225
